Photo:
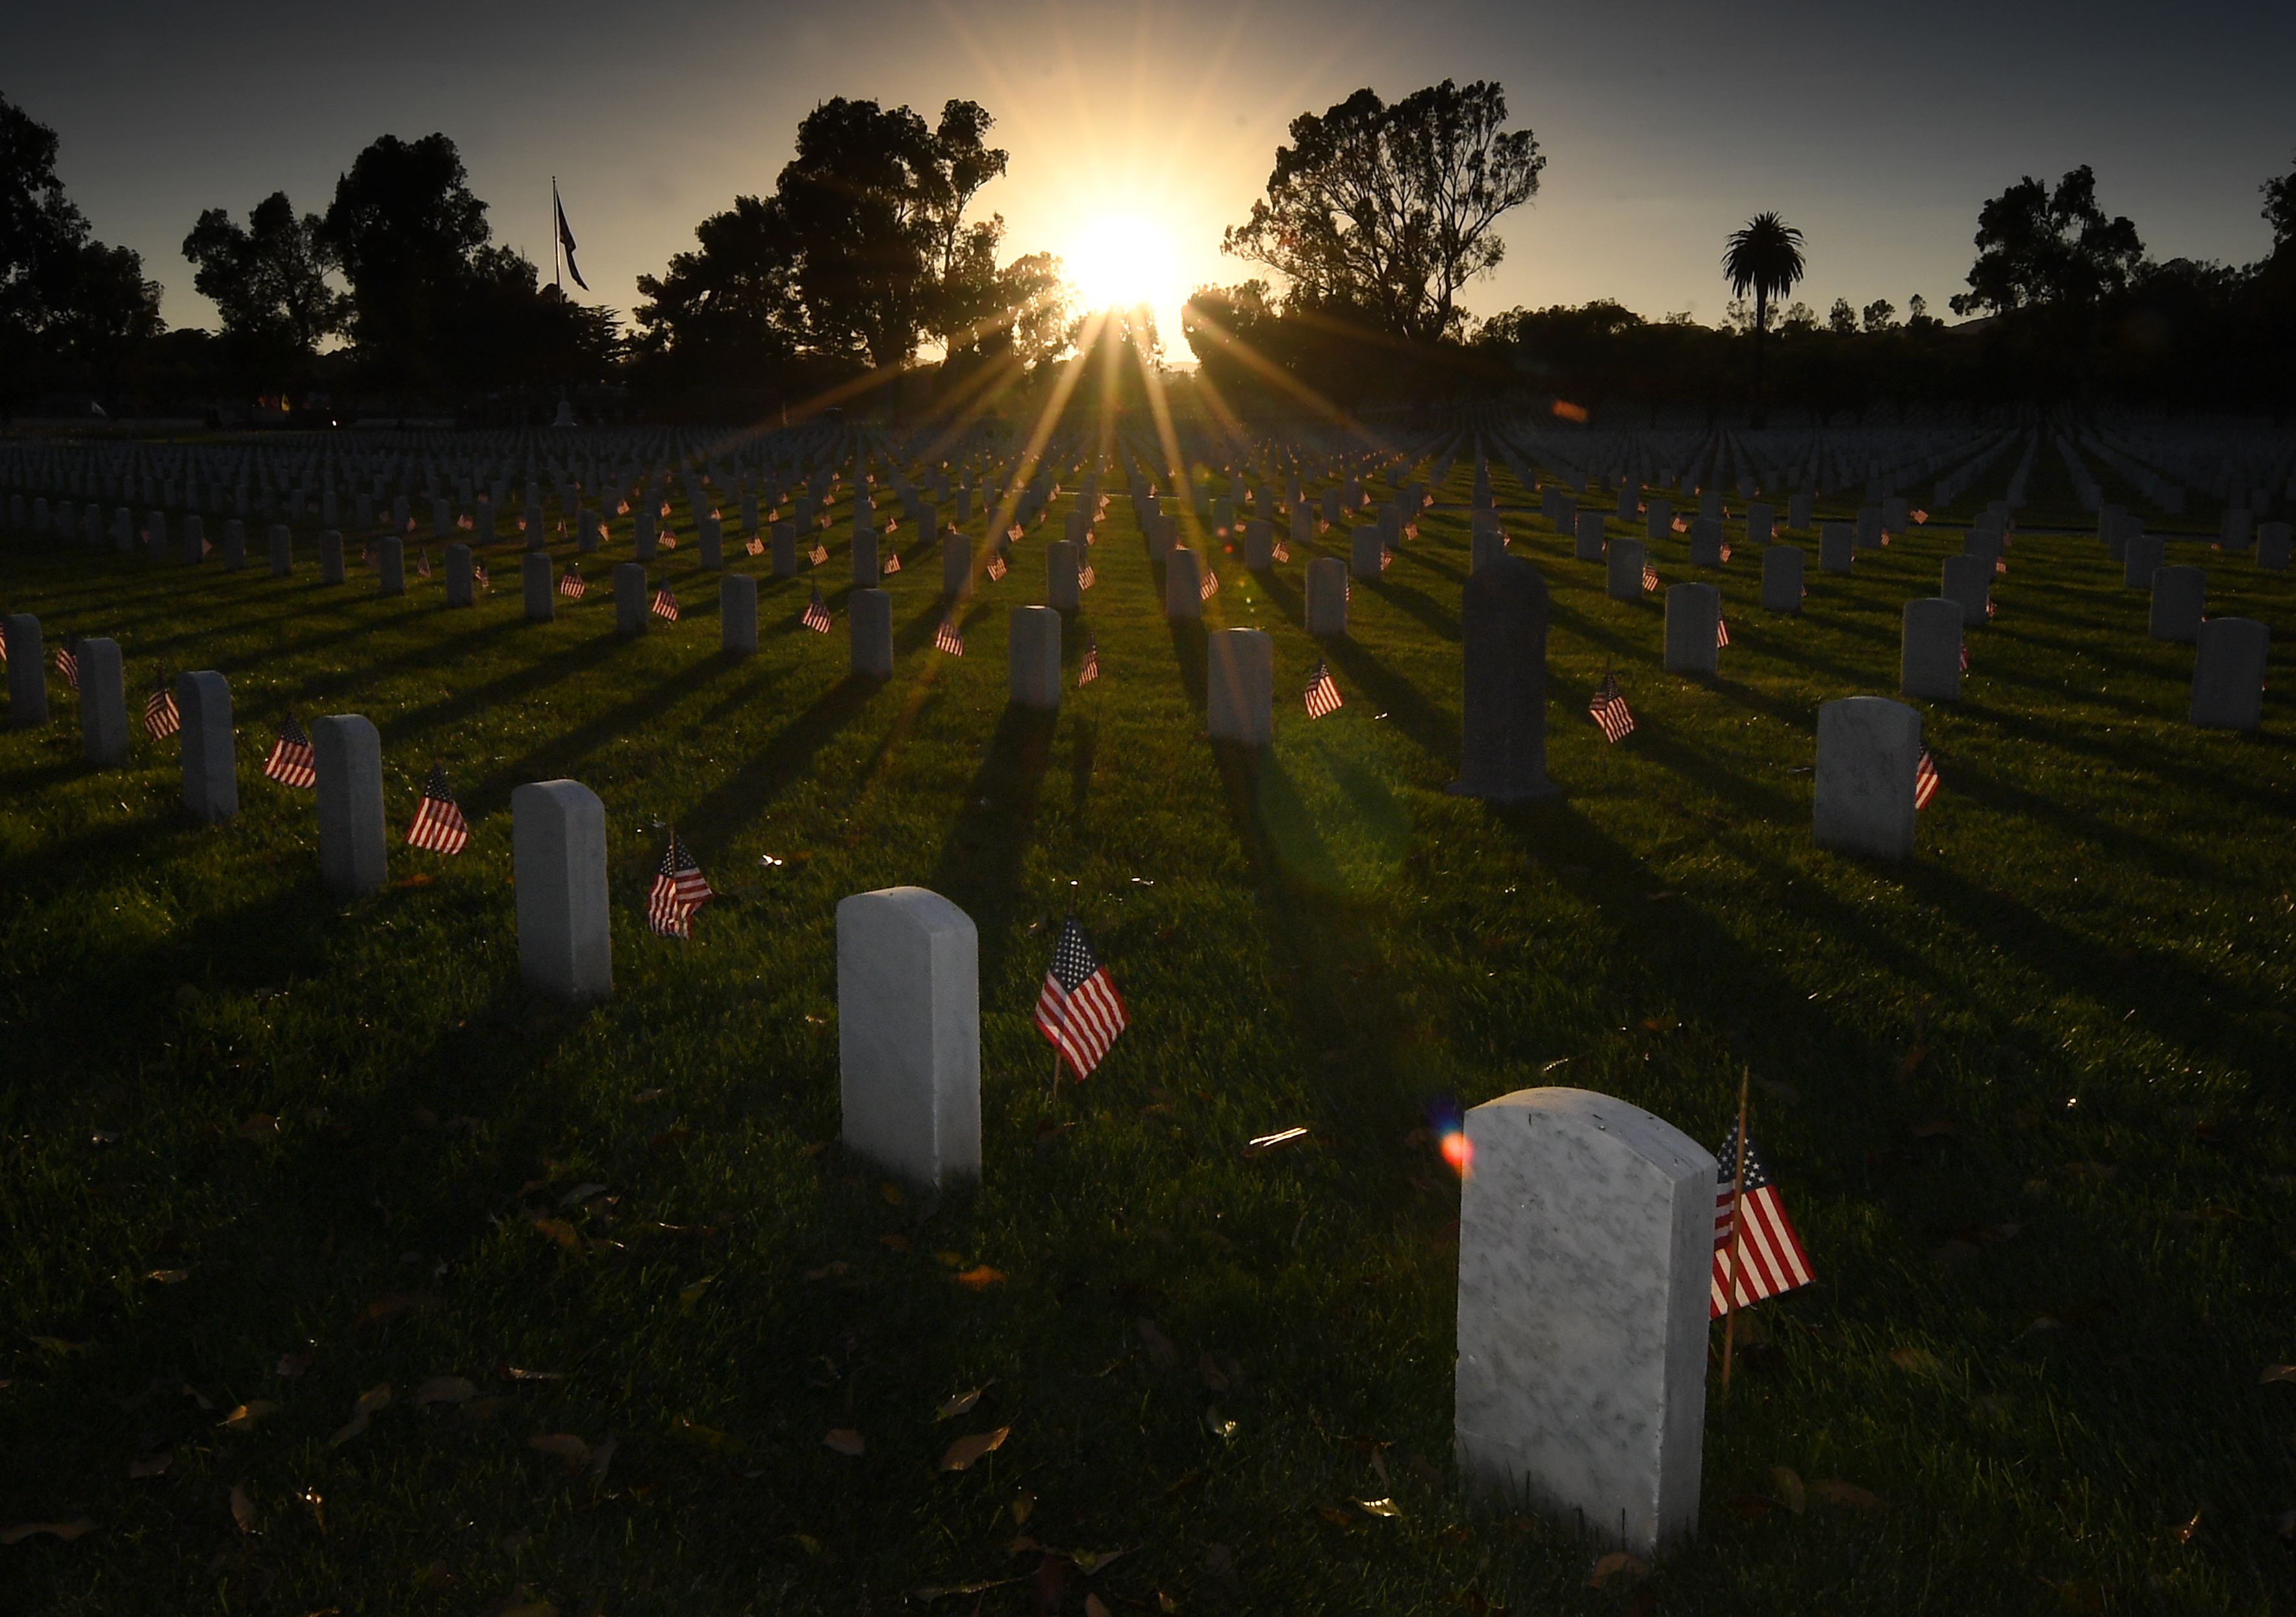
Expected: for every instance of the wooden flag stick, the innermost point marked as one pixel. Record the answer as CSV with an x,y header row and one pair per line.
x,y
1737,1196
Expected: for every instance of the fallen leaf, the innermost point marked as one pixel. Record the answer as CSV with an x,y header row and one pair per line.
x,y
980,1278
692,1294
260,1127
844,1441
1336,1516
242,1508
243,1418
1024,1502
708,1437
1159,1345
1920,1361
445,1389
512,1373
66,1530
560,1231
151,1464
2186,1531
965,1451
1378,1507
1835,1491
580,1194
899,1244
292,1365
961,1404
2273,1372
170,1276
1093,1606
561,1446
1618,1564
1788,1484
396,1302
369,1401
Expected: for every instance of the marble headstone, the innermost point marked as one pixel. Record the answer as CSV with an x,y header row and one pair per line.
x,y
908,1035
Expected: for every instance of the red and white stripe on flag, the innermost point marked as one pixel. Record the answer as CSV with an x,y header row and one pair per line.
x,y
571,586
1078,1010
665,605
948,639
159,718
438,824
1721,632
1926,781
1767,1258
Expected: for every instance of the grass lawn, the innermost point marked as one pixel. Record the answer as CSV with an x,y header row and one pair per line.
x,y
2027,1097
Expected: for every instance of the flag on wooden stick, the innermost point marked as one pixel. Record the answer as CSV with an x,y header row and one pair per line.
x,y
571,586
290,763
159,718
817,613
1090,671
1078,1010
1608,709
1721,632
438,824
1757,1248
950,638
1323,692
1926,781
665,605
678,891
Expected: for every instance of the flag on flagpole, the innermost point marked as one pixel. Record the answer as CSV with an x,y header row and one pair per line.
x,y
438,824
665,605
1090,671
1926,781
948,639
1281,553
1608,709
1323,692
1078,1010
817,613
159,718
996,568
566,237
1759,1250
571,586
290,763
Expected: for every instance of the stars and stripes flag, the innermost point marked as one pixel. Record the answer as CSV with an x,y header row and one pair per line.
x,y
950,638
1323,693
478,576
1721,632
678,891
68,663
1926,781
996,569
1084,577
665,605
2000,566
1991,607
423,562
571,586
1017,532
289,763
438,824
1090,671
1281,551
1209,587
1650,578
1608,709
1385,557
756,546
892,561
1078,1010
1964,656
818,554
1681,525
1759,1250
668,539
817,613
1724,551
159,718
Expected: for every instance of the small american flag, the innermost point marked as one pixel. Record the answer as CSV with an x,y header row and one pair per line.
x,y
1681,525
1724,551
1919,516
1766,1256
463,522
1078,1010
571,586
1991,607
621,507
948,639
665,605
68,663
1016,533
892,561
756,546
1925,781
996,568
438,824
160,719
669,541
817,613
678,891
1090,671
478,576
289,763
422,562
818,554
1281,551
1210,586
1385,557
1721,632
2000,565
1609,710
1323,693
1964,656
1084,577
1650,578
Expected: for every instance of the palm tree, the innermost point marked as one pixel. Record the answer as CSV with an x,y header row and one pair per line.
x,y
1765,258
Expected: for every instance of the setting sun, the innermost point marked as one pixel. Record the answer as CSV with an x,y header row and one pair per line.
x,y
1121,260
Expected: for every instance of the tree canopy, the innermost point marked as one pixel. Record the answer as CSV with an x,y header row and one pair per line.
x,y
2039,247
268,280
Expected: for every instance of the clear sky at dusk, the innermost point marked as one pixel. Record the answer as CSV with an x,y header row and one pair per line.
x,y
1878,131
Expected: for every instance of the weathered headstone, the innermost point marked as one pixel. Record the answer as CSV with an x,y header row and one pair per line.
x,y
908,1035
630,599
1782,579
1061,591
2228,666
1033,647
538,588
1968,581
1240,687
2179,594
1623,579
347,759
391,565
27,672
1692,613
102,704
558,869
1503,629
1837,548
737,614
869,613
2140,558
210,758
1868,748
1586,1263
1184,584
461,582
1327,595
1929,654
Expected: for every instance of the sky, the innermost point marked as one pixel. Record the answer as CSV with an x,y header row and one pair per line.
x,y
1878,131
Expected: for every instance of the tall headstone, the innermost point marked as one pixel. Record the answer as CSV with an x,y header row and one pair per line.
x,y
1502,628
1781,575
630,598
558,869
1658,518
1968,581
1240,687
2140,558
391,565
1706,542
460,583
2179,596
1586,538
709,534
1061,576
2228,674
155,535
235,544
1586,1262
1837,548
27,672
783,544
1258,544
210,759
1868,749
331,557
643,523
536,587
1761,523
282,545
1929,654
347,759
1622,580
955,565
737,614
1363,551
1183,584
102,704
1327,595
908,1035
2272,546
1694,614
869,614
1033,646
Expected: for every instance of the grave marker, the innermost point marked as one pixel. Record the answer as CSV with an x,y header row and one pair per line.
x,y
102,704
347,759
558,866
1502,628
1694,614
1929,654
210,759
908,1035
2228,666
1868,748
1240,687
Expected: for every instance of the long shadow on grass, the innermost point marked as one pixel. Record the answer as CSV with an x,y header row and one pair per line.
x,y
577,658
737,800
1434,734
556,758
981,858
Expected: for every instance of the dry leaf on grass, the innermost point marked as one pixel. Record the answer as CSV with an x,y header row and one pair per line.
x,y
243,1418
561,1446
259,1128
1920,1361
2273,1372
965,1451
1159,1345
844,1441
1208,1368
692,1294
151,1465
66,1530
373,1400
445,1389
708,1437
980,1278
1833,1490
1617,1565
242,1508
1788,1483
170,1276
292,1365
1378,1507
560,1231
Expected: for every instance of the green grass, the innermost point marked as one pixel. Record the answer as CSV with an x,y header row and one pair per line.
x,y
2027,1097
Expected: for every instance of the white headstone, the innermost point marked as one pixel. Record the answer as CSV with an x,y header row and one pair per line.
x,y
1928,655
102,704
2179,597
1693,611
210,759
737,614
869,615
908,1034
347,759
1033,645
2228,674
558,867
1868,749
1622,580
27,672
1240,687
1327,595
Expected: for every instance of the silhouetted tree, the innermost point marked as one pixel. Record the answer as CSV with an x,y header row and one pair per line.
x,y
1764,258
269,279
406,230
2039,248
2280,208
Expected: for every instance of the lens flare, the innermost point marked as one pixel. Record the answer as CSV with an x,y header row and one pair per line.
x,y
1459,1152
1448,1125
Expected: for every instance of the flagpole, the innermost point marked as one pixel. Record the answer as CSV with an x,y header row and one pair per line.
x,y
555,246
1737,1196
